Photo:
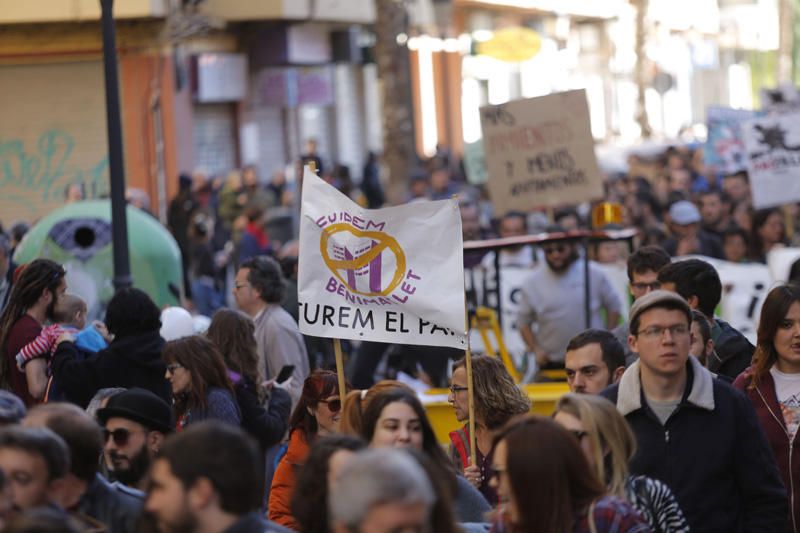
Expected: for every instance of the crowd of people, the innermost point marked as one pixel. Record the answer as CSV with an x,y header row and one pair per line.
x,y
146,421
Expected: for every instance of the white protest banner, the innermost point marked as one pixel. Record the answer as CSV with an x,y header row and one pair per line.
x,y
389,275
540,152
773,150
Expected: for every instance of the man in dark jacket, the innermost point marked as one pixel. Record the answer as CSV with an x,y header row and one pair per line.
x,y
135,424
83,491
209,474
133,359
699,283
695,433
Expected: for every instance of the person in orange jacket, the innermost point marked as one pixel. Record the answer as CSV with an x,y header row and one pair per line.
x,y
317,415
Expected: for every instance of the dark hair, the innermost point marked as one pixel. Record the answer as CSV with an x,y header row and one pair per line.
x,y
18,231
319,385
81,433
694,277
740,174
200,357
612,350
376,406
310,496
773,311
38,276
648,198
497,397
760,218
132,312
550,477
43,519
646,258
233,333
736,231
702,322
39,441
223,454
266,278
516,214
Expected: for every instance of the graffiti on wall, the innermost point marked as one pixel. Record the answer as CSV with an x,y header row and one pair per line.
x,y
35,175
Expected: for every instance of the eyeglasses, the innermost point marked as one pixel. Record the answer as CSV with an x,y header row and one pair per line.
x,y
558,248
457,388
120,436
645,286
172,367
579,434
656,332
334,406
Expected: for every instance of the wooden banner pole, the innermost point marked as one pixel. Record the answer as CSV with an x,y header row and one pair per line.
x,y
337,344
470,390
337,350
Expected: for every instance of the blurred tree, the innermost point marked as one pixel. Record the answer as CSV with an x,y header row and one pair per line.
x,y
641,71
394,70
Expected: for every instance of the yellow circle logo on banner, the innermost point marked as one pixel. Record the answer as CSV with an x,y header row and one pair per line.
x,y
368,262
512,45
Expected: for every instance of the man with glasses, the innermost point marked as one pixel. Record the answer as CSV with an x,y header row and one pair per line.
x,y
698,282
693,432
136,422
553,297
259,289
83,491
643,267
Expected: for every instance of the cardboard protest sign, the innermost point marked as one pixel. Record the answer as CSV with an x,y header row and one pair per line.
x,y
724,148
540,152
389,275
773,150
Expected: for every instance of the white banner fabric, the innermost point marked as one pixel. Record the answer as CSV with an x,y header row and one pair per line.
x,y
389,275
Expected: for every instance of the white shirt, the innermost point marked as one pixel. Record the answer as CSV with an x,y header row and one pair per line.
x,y
787,389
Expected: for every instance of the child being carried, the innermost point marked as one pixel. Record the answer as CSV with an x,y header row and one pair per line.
x,y
69,315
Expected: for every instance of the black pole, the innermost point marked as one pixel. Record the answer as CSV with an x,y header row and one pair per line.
x,y
119,222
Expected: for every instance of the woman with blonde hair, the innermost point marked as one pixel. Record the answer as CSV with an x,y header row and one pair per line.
x,y
497,400
608,443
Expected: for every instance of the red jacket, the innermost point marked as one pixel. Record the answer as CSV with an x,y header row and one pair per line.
x,y
280,495
786,449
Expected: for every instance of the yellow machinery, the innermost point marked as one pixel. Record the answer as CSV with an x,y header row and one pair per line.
x,y
543,395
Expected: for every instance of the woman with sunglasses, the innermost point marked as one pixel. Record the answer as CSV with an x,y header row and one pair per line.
x,y
497,399
546,485
396,418
201,389
317,415
609,444
772,383
265,413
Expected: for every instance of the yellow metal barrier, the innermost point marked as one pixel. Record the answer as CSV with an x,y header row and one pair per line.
x,y
442,416
486,319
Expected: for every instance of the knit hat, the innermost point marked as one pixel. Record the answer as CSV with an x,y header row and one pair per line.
x,y
656,299
141,406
